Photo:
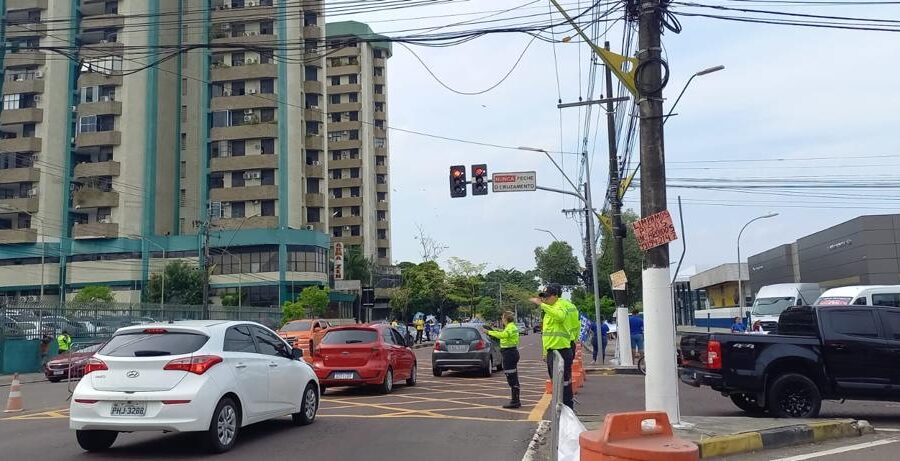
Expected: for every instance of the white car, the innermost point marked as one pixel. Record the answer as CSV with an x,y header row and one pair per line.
x,y
207,376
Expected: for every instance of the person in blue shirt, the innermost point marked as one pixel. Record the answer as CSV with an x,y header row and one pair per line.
x,y
636,324
603,337
738,326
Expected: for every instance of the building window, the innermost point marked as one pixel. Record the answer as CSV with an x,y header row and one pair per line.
x,y
354,135
267,146
379,107
337,193
312,185
381,179
354,192
354,97
335,99
313,215
87,124
382,215
310,18
312,101
335,81
312,157
267,86
182,197
11,101
382,252
267,208
378,54
379,89
336,174
354,211
238,209
183,168
184,89
184,112
183,141
382,234
379,71
379,142
337,231
267,178
335,117
354,231
311,73
382,196
312,128
337,212
354,172
267,28
353,79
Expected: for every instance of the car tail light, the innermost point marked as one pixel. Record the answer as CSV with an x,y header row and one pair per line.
x,y
479,346
94,365
713,355
87,401
197,364
438,345
155,331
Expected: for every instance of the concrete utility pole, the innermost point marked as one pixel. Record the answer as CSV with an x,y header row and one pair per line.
x,y
204,263
618,247
661,384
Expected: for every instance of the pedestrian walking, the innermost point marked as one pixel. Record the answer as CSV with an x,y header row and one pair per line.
x,y
636,324
428,327
420,328
556,335
599,339
64,342
509,350
45,348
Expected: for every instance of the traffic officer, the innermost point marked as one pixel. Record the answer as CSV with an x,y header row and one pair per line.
x,y
557,336
64,342
509,349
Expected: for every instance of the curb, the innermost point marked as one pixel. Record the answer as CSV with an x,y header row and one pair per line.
x,y
611,371
781,437
423,345
539,439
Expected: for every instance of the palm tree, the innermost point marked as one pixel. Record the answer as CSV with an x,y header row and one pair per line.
x,y
357,266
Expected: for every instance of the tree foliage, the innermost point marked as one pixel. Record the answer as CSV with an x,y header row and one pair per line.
x,y
465,284
584,301
312,302
633,260
399,302
184,284
357,266
557,264
94,294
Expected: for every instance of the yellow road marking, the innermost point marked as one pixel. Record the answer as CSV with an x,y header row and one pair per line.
x,y
469,405
50,414
537,413
460,418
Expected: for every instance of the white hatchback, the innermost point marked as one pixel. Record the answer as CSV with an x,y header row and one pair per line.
x,y
207,376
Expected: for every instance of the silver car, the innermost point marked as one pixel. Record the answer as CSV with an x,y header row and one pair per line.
x,y
465,346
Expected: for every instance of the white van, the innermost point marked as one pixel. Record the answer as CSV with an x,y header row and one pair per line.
x,y
861,295
772,300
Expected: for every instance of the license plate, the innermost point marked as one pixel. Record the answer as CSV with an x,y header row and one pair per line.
x,y
128,409
57,372
458,348
343,375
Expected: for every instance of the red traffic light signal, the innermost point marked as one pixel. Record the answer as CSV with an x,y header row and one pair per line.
x,y
457,181
479,180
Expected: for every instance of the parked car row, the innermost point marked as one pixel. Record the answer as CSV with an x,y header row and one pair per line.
x,y
30,325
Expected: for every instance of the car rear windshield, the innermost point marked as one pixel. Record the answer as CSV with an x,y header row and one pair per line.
x,y
465,334
350,337
140,344
296,326
834,301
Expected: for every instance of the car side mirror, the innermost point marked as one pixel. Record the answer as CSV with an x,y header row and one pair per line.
x,y
296,354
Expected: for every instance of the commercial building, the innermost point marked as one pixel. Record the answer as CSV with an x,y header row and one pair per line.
x,y
358,147
862,251
721,285
118,152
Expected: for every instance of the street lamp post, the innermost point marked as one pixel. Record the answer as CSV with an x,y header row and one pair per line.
x,y
698,74
740,272
548,232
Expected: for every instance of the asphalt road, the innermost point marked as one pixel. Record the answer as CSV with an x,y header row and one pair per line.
x,y
457,416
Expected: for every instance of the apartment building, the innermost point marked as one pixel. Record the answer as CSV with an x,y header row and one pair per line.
x,y
111,155
359,187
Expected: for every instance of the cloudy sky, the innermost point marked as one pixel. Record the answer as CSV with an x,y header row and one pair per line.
x,y
793,104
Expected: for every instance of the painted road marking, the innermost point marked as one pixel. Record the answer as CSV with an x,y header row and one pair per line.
x,y
834,451
887,429
48,414
537,413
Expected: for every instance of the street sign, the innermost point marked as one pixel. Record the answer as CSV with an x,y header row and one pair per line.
x,y
338,261
655,230
516,181
618,280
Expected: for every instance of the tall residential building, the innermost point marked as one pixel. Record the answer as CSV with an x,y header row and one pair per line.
x,y
359,187
114,149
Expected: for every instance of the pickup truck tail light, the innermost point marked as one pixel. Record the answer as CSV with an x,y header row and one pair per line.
x,y
713,355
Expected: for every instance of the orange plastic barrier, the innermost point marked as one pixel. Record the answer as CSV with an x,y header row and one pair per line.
x,y
624,436
548,388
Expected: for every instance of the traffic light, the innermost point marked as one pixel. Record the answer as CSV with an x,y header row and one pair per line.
x,y
457,181
479,180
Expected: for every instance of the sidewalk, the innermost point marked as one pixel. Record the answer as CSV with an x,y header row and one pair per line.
x,y
24,378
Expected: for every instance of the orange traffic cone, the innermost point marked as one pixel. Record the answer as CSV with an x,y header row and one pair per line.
x,y
548,388
14,402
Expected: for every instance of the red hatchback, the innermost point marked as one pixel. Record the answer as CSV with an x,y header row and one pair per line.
x,y
359,355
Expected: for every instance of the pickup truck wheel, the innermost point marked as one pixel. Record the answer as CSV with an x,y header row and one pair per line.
x,y
748,403
793,395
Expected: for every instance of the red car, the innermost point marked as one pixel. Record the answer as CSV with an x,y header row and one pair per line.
x,y
359,355
70,365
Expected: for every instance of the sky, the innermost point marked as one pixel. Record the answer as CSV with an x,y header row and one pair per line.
x,y
793,103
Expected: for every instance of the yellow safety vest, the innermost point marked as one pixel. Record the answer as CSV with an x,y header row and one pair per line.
x,y
554,333
508,336
64,342
573,320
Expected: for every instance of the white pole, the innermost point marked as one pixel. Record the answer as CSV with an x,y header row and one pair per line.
x,y
661,383
623,333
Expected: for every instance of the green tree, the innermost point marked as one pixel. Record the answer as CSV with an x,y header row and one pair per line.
x,y
184,284
427,285
514,287
399,302
357,266
94,294
634,259
584,301
557,264
232,299
312,302
465,283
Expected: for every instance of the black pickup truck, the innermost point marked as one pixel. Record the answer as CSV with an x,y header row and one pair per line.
x,y
822,352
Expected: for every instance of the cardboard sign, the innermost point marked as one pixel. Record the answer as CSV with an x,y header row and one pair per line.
x,y
618,280
655,230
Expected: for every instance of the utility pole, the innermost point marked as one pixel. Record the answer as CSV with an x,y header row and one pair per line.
x,y
615,202
204,263
661,384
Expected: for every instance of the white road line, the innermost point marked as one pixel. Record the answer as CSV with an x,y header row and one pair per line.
x,y
887,429
835,451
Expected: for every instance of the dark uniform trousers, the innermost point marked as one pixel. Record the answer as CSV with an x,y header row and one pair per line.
x,y
568,356
510,363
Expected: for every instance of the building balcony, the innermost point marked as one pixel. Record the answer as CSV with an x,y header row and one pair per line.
x,y
344,163
247,101
315,171
347,221
382,225
344,52
348,88
381,151
379,97
20,145
345,107
314,200
102,21
343,70
17,175
314,115
18,236
313,86
250,131
381,169
380,115
247,13
23,205
97,79
247,38
26,30
314,142
349,240
243,162
380,132
317,226
252,222
241,194
348,182
345,201
95,230
312,31
383,206
100,108
383,261
343,126
383,243
19,5
97,169
89,197
378,62
97,139
25,58
378,80
23,86
17,116
223,73
381,188
341,145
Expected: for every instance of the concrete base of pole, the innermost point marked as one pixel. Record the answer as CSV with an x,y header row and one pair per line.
x,y
661,383
623,331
